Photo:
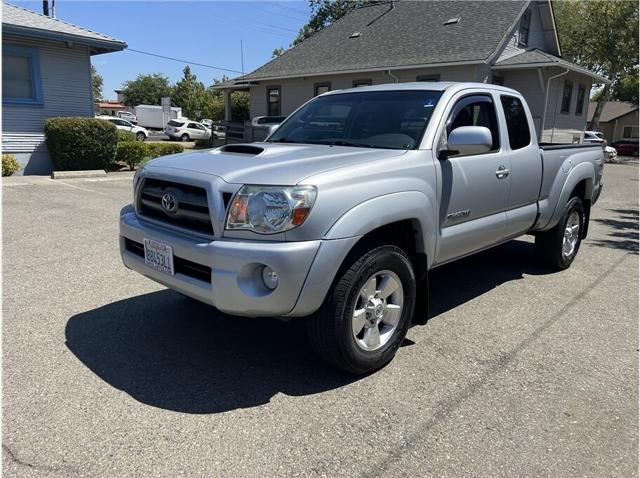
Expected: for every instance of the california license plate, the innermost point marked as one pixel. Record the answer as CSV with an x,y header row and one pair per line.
x,y
158,256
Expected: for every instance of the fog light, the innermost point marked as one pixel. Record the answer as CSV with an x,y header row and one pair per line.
x,y
269,277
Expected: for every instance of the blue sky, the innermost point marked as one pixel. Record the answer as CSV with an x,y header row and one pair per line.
x,y
207,32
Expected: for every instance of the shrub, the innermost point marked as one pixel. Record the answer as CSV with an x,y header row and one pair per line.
x,y
124,136
9,164
131,153
81,143
162,149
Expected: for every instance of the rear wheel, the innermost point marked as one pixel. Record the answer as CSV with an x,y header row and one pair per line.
x,y
366,315
140,136
559,246
184,138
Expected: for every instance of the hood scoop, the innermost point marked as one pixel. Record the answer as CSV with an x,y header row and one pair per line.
x,y
242,149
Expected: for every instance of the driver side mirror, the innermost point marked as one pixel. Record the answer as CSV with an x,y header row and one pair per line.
x,y
271,129
468,140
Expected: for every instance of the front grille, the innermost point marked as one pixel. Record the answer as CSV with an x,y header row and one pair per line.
x,y
180,265
193,209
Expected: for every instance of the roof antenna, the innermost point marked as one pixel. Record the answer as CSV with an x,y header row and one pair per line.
x,y
53,8
45,7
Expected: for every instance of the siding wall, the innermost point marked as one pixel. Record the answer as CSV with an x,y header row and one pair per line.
x,y
558,127
612,130
296,91
66,88
536,37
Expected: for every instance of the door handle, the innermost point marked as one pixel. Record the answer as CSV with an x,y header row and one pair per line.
x,y
502,172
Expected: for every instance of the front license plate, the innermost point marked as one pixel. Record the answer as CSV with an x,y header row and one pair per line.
x,y
159,256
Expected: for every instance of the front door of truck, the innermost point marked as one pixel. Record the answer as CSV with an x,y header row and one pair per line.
x,y
474,188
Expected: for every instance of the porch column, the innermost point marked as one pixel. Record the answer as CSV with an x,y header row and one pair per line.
x,y
227,105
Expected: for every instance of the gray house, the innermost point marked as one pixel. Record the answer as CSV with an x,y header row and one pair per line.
x,y
512,43
618,121
46,71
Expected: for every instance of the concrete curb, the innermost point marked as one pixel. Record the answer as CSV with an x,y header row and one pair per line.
x,y
94,173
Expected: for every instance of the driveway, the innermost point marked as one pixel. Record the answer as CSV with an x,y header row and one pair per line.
x,y
519,372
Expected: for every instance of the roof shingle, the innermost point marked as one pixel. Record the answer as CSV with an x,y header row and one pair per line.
x,y
611,110
400,33
21,18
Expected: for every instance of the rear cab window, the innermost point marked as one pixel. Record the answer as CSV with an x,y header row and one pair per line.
x,y
516,120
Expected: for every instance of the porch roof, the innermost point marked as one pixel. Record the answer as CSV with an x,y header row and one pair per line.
x,y
537,58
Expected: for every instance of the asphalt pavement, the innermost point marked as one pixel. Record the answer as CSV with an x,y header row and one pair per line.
x,y
519,372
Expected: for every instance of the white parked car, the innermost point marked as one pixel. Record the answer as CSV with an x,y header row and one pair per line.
x,y
130,117
593,137
610,154
207,122
140,132
186,130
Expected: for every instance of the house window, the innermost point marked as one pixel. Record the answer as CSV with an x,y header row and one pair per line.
x,y
630,132
357,83
497,80
566,96
580,103
274,101
21,83
319,88
525,24
517,124
428,77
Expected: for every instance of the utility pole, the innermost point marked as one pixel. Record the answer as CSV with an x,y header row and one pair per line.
x,y
241,58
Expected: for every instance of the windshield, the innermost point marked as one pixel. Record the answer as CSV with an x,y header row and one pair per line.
x,y
371,119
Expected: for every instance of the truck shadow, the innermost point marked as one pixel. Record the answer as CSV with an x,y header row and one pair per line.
x,y
174,353
461,281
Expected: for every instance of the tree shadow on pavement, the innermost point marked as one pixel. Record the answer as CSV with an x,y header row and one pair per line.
x,y
175,353
622,230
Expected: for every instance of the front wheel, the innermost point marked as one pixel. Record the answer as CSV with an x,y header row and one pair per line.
x,y
365,317
559,246
140,136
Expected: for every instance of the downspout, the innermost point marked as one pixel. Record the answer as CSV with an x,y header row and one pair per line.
x,y
393,76
546,100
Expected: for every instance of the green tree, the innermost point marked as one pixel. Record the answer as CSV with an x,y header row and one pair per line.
x,y
96,83
240,105
191,95
277,52
602,36
626,88
146,89
325,12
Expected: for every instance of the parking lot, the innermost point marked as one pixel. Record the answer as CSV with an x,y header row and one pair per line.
x,y
519,372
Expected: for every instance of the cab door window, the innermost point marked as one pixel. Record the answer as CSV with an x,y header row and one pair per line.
x,y
476,110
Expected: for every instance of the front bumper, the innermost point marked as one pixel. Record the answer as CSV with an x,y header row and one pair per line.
x,y
235,285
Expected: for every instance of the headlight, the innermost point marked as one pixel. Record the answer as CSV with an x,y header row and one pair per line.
x,y
270,209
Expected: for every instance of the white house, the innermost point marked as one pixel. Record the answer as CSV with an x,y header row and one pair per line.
x,y
46,72
514,43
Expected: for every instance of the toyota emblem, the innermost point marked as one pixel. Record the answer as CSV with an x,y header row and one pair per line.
x,y
169,203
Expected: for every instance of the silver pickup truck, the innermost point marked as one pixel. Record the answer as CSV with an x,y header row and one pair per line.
x,y
339,215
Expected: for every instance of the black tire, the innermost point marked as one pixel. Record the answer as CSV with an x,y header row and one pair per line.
x,y
141,136
549,244
184,138
330,329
